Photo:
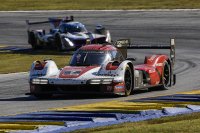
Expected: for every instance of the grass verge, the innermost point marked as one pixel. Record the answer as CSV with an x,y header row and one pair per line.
x,y
96,4
177,124
21,62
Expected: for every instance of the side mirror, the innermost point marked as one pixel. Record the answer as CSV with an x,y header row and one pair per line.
x,y
113,65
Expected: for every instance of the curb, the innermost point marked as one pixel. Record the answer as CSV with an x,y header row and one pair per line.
x,y
81,120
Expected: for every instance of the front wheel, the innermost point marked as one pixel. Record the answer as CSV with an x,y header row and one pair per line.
x,y
58,42
36,90
33,40
128,81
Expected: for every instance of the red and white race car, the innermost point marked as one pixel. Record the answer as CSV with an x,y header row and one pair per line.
x,y
103,68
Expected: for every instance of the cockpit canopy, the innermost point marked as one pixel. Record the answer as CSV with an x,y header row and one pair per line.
x,y
72,27
93,58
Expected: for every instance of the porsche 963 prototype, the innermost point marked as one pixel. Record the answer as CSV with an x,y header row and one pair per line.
x,y
104,68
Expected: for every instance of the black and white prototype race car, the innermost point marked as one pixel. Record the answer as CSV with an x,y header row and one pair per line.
x,y
104,68
65,34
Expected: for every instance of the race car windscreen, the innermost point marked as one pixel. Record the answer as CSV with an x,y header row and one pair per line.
x,y
89,58
72,27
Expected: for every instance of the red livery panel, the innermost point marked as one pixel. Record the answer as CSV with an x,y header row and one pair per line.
x,y
74,72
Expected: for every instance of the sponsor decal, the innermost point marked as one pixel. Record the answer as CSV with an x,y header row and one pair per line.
x,y
121,43
75,72
119,87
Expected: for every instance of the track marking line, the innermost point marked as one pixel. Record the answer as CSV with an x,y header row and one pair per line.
x,y
136,10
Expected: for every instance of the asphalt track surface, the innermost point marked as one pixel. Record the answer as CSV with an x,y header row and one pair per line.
x,y
143,27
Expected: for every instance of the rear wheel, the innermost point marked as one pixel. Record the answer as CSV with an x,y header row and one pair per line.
x,y
166,76
128,81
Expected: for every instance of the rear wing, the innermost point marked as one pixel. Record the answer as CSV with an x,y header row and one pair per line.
x,y
55,22
125,44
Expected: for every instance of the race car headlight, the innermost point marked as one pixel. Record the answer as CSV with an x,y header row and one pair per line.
x,y
107,81
100,81
43,81
39,81
35,81
69,42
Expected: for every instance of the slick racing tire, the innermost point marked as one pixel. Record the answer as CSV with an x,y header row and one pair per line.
x,y
36,90
166,76
58,42
128,81
33,40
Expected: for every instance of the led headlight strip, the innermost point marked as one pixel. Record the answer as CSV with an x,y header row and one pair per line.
x,y
100,81
39,81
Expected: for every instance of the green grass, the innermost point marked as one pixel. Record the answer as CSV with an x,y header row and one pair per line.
x,y
177,124
96,4
20,62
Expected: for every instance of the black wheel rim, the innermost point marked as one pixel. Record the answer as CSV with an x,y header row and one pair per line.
x,y
128,80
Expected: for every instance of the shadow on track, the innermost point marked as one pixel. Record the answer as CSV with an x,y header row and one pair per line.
x,y
60,97
57,97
